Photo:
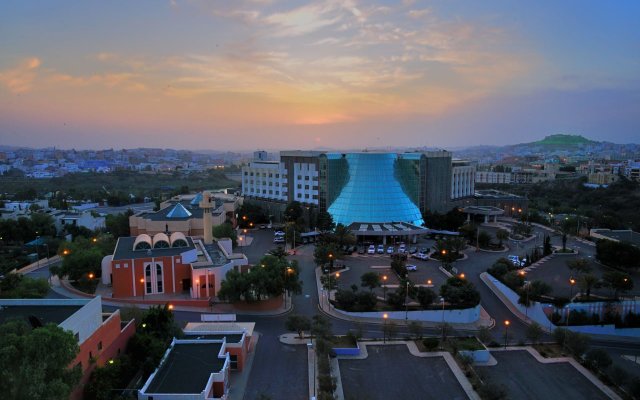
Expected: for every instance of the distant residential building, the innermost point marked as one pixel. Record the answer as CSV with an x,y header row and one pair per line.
x,y
602,178
101,336
78,219
493,177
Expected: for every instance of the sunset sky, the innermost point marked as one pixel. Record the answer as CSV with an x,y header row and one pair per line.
x,y
242,75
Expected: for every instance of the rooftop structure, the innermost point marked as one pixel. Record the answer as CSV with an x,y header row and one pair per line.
x,y
626,235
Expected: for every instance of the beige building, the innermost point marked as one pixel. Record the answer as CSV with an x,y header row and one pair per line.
x,y
184,214
603,178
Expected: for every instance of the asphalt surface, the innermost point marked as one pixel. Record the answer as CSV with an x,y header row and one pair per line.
x,y
391,372
525,378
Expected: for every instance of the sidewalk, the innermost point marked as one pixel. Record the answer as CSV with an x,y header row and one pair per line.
x,y
328,309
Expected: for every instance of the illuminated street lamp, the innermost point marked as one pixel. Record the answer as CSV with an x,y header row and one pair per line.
x,y
198,288
384,287
506,332
384,328
462,275
170,307
143,288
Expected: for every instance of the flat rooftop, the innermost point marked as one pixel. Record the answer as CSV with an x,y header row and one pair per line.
x,y
187,368
495,194
620,235
45,313
386,229
231,338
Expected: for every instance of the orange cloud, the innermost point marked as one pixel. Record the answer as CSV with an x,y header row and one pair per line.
x,y
20,78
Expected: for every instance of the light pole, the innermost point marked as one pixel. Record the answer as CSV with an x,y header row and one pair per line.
x,y
384,287
143,288
526,287
406,302
384,327
506,332
571,283
442,300
197,293
337,277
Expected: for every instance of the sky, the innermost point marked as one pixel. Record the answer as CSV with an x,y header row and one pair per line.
x,y
249,74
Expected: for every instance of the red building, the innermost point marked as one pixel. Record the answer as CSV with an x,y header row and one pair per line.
x,y
172,264
101,336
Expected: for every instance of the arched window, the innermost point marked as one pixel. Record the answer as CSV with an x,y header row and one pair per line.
x,y
142,246
159,284
161,244
148,284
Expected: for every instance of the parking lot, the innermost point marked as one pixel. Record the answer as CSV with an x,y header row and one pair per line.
x,y
526,378
556,273
391,372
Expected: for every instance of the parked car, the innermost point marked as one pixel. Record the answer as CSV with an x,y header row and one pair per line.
x,y
421,256
413,250
515,260
263,226
411,267
361,250
278,239
390,250
380,249
372,249
402,248
424,250
278,233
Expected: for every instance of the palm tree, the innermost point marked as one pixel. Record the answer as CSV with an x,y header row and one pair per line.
x,y
501,235
587,282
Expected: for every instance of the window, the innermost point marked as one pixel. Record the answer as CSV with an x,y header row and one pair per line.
x,y
306,178
299,177
159,285
147,281
99,345
77,336
306,187
234,361
299,186
306,196
299,195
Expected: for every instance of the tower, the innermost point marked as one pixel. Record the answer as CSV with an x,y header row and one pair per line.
x,y
207,207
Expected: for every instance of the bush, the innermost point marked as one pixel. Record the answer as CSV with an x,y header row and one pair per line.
x,y
491,391
430,343
598,359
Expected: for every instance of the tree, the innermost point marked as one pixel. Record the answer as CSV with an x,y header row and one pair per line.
x,y
343,236
225,230
534,332
617,282
39,361
537,289
502,234
325,221
298,323
346,299
598,359
329,282
293,212
484,239
460,292
587,282
425,296
621,255
278,252
547,249
389,329
118,225
17,286
370,280
416,329
579,266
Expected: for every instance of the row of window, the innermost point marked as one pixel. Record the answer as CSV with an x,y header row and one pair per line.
x,y
263,174
307,187
265,183
264,191
306,178
306,196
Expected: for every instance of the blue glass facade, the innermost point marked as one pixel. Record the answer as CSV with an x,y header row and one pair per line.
x,y
371,187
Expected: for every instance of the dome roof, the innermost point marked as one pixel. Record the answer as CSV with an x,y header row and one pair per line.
x,y
142,242
160,240
178,239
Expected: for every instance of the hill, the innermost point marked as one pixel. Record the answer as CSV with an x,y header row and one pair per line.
x,y
564,140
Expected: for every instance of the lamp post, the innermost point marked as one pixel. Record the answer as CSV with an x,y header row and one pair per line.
x,y
384,287
384,327
330,261
197,293
337,277
406,302
506,332
143,288
442,300
526,287
571,283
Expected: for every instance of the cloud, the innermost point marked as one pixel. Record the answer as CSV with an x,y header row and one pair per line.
x,y
20,78
418,13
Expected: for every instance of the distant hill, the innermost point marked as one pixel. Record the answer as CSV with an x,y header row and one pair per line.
x,y
563,140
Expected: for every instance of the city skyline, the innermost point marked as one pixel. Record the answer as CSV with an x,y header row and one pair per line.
x,y
336,74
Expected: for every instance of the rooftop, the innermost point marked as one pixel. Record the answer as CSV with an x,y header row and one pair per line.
x,y
231,338
124,249
220,327
386,229
495,194
45,313
187,368
628,235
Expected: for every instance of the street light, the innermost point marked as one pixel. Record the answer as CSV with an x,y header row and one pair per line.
x,y
406,302
91,275
429,283
571,283
337,277
442,300
384,327
384,287
506,332
143,288
197,293
462,275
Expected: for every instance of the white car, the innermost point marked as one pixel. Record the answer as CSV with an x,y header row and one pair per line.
x,y
421,256
411,267
401,249
380,249
515,260
372,250
278,233
390,250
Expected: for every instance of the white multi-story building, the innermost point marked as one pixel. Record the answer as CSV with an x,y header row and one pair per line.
x,y
493,177
463,178
265,179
